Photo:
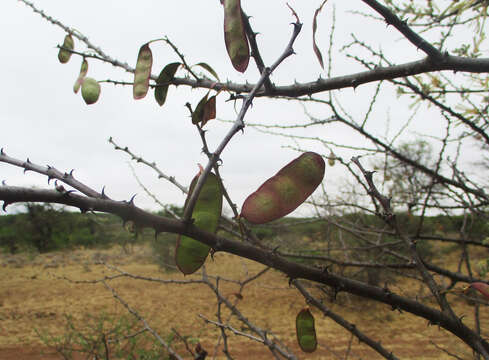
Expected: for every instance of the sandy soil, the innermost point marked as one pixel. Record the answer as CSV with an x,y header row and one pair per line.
x,y
34,298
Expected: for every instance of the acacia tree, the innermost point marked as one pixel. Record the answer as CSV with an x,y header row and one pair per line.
x,y
449,80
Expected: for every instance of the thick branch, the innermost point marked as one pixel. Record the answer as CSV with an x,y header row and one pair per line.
x,y
447,62
402,26
128,211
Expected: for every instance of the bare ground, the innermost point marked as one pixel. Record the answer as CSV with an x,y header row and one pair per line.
x,y
34,298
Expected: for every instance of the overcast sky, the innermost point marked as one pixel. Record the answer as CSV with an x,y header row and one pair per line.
x,y
41,118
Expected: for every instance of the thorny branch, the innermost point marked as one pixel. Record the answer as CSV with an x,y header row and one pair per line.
x,y
129,211
450,62
239,123
467,194
146,325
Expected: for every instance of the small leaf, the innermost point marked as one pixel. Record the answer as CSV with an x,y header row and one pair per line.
x,y
142,72
90,90
198,114
81,76
64,54
235,36
209,110
209,69
314,28
305,330
166,75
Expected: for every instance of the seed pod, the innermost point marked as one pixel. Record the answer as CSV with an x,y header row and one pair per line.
x,y
83,73
483,288
142,72
284,192
64,54
235,36
305,330
331,159
166,75
190,254
90,90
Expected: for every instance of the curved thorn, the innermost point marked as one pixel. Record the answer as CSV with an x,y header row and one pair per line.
x,y
4,207
71,172
132,199
2,152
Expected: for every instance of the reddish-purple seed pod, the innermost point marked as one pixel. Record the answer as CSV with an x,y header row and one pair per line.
x,y
284,192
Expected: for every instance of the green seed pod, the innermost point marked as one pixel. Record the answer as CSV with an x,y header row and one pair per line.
x,y
190,254
90,90
81,76
143,72
284,192
167,74
64,54
235,36
305,330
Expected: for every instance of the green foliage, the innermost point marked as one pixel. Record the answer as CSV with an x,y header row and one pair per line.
x,y
45,228
104,337
163,250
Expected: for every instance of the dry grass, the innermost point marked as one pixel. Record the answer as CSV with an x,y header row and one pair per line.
x,y
32,296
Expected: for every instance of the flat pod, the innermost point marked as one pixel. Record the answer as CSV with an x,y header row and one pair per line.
x,y
483,288
235,36
81,76
64,54
190,254
142,72
284,192
90,90
306,331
